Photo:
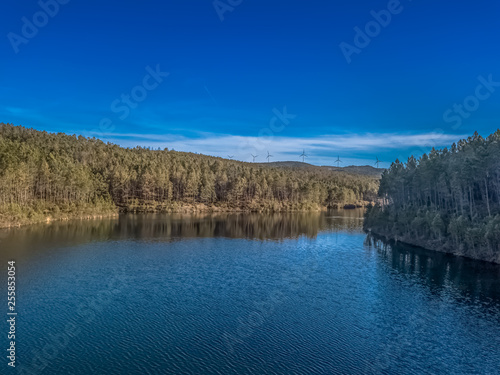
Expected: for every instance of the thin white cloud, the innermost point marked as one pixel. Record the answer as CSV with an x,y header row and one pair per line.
x,y
321,149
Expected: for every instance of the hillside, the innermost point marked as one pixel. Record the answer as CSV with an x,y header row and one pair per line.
x,y
287,164
45,176
363,170
448,200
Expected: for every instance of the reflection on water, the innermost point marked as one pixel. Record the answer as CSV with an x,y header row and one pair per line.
x,y
441,272
299,293
437,270
275,226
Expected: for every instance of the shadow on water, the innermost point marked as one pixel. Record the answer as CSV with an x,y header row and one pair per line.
x,y
444,274
441,272
166,227
360,306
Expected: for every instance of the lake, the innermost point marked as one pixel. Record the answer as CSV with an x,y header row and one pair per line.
x,y
298,293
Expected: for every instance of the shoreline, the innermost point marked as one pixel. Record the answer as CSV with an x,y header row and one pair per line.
x,y
12,222
426,245
50,219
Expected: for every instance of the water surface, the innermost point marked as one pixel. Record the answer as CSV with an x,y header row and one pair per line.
x,y
245,294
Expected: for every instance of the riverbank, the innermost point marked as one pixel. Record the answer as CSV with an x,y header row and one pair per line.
x,y
180,207
436,245
15,215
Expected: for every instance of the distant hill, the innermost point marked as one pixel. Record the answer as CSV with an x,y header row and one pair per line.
x,y
363,170
45,176
288,164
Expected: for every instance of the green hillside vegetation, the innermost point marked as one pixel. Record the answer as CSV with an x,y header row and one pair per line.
x,y
47,176
448,200
364,170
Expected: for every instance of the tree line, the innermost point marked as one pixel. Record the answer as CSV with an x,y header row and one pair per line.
x,y
47,172
447,200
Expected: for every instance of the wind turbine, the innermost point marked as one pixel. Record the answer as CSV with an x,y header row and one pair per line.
x,y
254,156
303,156
338,161
268,156
230,157
377,162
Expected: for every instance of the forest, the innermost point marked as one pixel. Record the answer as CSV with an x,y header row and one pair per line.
x,y
46,176
447,200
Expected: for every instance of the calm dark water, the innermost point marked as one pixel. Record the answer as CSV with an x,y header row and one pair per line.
x,y
244,294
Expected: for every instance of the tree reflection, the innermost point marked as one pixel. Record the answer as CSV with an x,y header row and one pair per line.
x,y
443,273
276,226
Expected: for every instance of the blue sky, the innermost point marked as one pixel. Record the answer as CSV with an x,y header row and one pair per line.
x,y
255,75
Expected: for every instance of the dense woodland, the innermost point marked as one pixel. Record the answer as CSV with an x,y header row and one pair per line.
x,y
447,200
49,175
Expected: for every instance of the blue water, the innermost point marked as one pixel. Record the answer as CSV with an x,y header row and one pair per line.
x,y
244,294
